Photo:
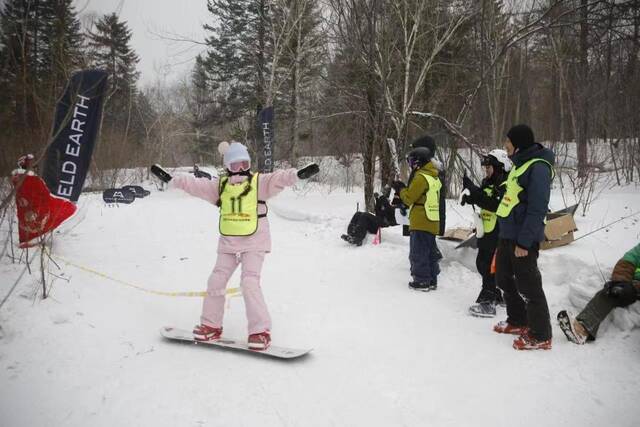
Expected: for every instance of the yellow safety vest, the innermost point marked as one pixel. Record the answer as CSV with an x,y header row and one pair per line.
x,y
432,202
489,219
238,207
511,196
636,275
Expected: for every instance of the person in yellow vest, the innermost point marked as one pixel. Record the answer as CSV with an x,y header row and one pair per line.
x,y
496,166
621,291
422,196
244,240
521,217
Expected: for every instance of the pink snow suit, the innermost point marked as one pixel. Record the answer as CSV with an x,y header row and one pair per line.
x,y
233,250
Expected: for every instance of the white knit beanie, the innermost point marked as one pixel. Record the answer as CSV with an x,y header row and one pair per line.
x,y
234,152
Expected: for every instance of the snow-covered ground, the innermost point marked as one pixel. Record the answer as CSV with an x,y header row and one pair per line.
x,y
91,354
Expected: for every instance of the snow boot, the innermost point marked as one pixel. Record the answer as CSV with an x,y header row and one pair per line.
x,y
259,341
420,286
504,327
206,333
483,309
351,239
566,322
527,342
433,285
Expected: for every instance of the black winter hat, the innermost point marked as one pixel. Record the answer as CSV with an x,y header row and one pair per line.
x,y
424,141
521,136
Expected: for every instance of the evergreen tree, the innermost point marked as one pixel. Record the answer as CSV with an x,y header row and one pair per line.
x,y
39,44
237,56
202,109
19,23
109,49
61,41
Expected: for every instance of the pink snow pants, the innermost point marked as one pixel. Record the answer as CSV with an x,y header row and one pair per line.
x,y
258,319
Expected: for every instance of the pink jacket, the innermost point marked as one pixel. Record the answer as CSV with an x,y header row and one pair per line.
x,y
269,185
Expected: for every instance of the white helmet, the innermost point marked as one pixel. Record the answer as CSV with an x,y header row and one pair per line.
x,y
502,157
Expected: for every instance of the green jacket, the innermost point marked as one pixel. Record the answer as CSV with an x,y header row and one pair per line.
x,y
416,193
628,267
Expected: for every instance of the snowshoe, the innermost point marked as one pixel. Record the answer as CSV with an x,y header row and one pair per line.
x,y
565,320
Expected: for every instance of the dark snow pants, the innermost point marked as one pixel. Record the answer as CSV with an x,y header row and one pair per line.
x,y
595,312
486,248
360,224
424,257
521,283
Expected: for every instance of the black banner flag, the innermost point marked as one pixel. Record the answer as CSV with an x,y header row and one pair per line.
x,y
266,138
75,129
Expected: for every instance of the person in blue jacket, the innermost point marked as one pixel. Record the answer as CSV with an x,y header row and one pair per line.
x,y
521,217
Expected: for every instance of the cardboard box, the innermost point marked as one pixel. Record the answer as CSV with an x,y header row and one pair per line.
x,y
558,231
457,234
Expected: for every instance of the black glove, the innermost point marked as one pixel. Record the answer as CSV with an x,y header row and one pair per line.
x,y
162,174
308,171
467,183
624,293
397,186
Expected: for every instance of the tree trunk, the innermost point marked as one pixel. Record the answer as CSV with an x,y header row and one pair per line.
x,y
583,107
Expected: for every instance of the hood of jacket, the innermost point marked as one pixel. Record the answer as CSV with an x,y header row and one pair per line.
x,y
536,151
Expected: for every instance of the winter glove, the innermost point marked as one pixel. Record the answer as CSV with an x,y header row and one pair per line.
x,y
465,197
624,293
308,171
467,183
397,186
162,174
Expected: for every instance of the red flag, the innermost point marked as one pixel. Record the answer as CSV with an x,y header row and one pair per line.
x,y
38,211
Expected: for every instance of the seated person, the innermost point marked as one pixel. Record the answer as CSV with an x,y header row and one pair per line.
x,y
621,291
365,222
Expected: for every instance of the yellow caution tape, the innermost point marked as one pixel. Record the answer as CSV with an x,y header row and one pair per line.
x,y
229,293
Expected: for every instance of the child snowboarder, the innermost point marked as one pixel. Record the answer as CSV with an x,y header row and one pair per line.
x,y
244,236
423,198
521,216
487,197
621,291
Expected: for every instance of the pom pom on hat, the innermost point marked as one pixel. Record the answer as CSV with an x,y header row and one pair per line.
x,y
223,147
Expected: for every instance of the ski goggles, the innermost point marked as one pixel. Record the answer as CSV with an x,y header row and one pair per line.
x,y
488,161
240,166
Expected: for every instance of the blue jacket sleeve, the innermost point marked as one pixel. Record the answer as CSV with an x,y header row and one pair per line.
x,y
538,191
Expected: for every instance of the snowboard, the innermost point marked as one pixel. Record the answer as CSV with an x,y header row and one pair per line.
x,y
273,351
137,190
118,195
